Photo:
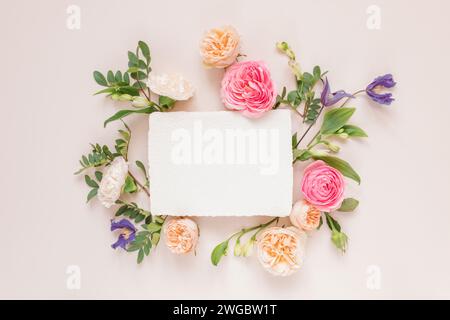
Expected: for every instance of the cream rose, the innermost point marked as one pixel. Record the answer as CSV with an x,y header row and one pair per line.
x,y
220,47
305,216
181,235
112,182
281,250
172,85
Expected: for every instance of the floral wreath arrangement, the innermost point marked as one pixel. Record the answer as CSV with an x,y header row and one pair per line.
x,y
247,88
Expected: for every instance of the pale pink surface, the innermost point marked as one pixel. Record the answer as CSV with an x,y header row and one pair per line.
x,y
248,87
323,186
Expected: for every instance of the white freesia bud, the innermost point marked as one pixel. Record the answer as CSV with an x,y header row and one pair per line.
x,y
125,97
112,182
139,102
173,86
281,250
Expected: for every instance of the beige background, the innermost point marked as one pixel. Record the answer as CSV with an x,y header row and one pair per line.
x,y
49,116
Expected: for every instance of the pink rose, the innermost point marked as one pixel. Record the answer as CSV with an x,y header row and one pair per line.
x,y
247,87
323,186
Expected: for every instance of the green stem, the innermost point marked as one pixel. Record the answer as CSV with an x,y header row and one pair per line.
x,y
246,230
139,183
318,132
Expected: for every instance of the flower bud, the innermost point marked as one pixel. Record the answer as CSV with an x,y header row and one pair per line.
x,y
238,249
139,102
284,47
343,135
333,147
115,97
339,239
248,247
125,97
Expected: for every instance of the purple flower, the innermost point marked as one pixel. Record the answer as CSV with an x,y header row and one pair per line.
x,y
385,81
328,99
127,233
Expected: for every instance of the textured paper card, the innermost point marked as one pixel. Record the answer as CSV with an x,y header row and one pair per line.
x,y
220,164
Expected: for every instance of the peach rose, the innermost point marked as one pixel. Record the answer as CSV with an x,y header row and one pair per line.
x,y
305,216
181,235
281,250
220,47
247,87
323,186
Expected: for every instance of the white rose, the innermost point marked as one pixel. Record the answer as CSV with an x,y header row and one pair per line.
x,y
112,182
173,86
281,250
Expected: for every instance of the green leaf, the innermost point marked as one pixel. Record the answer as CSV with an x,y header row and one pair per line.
x,y
332,223
147,247
140,255
123,113
145,50
344,167
138,75
348,205
126,78
320,223
107,90
294,141
98,175
118,76
354,131
132,91
335,119
155,238
100,78
110,77
92,194
121,210
302,154
316,72
129,186
159,220
132,59
141,166
166,102
294,98
133,69
153,227
219,251
91,183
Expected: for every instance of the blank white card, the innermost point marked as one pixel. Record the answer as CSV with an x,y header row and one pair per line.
x,y
220,164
